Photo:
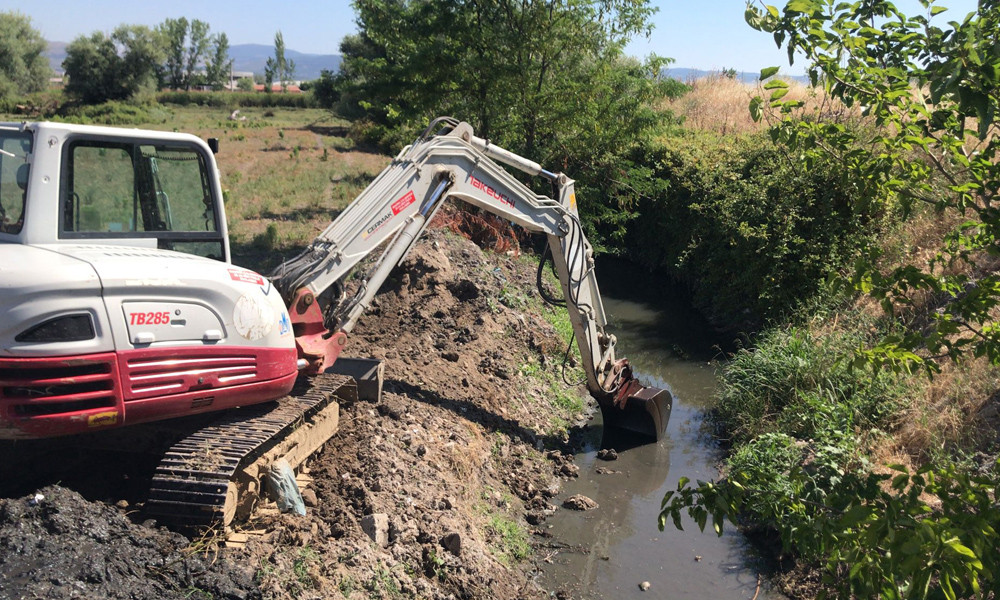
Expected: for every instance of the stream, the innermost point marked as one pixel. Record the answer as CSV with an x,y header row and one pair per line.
x,y
609,551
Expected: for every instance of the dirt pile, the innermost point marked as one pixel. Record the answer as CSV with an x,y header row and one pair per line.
x,y
436,491
449,461
55,544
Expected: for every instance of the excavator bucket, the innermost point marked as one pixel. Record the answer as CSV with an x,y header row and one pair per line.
x,y
645,412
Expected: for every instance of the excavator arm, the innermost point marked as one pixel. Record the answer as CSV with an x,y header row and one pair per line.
x,y
450,162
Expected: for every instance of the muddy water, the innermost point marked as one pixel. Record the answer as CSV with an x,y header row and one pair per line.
x,y
608,552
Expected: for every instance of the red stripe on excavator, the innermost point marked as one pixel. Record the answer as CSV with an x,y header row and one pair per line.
x,y
52,396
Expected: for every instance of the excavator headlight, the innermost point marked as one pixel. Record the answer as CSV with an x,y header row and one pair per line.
x,y
67,328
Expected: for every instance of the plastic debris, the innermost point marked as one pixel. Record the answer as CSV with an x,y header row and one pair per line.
x,y
283,488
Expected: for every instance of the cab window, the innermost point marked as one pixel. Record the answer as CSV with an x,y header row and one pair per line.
x,y
15,150
134,189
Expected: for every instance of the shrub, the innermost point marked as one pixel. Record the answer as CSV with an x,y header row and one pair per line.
x,y
237,99
796,383
743,227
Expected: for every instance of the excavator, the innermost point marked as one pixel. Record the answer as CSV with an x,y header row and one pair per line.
x,y
120,304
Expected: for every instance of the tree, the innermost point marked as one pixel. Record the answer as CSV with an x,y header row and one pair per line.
x,y
217,68
186,45
23,68
198,42
278,67
245,84
933,96
173,33
543,78
325,89
116,67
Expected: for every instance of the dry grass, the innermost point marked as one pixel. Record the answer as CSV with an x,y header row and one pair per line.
x,y
956,410
291,168
721,105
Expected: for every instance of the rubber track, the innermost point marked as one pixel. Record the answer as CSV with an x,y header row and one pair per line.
x,y
189,486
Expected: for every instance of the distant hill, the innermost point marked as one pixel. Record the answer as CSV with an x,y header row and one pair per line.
x,y
56,54
744,76
246,58
251,58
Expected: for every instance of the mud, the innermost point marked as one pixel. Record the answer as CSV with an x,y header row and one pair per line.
x,y
452,472
56,544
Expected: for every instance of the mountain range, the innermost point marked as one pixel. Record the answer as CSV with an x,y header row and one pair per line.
x,y
250,58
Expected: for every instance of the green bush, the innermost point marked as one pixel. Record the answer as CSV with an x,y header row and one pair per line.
x,y
749,232
114,113
798,384
237,99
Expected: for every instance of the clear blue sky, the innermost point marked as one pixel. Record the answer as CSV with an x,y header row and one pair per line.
x,y
704,34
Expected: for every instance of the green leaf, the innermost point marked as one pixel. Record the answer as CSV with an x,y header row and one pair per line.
x,y
755,104
778,94
856,514
936,10
775,83
802,6
767,72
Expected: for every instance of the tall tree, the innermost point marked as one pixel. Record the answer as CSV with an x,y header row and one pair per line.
x,y
279,68
198,44
23,68
115,67
186,44
217,68
173,33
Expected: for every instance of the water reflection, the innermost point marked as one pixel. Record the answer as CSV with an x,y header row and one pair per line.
x,y
614,548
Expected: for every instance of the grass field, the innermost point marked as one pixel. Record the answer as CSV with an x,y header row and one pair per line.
x,y
285,174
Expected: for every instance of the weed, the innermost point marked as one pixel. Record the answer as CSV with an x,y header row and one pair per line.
x,y
347,585
196,593
306,560
512,541
437,565
382,584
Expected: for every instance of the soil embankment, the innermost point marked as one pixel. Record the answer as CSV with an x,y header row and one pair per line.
x,y
432,492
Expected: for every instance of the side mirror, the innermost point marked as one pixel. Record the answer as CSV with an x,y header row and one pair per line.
x,y
213,144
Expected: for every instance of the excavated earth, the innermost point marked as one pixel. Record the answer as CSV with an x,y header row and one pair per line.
x,y
439,490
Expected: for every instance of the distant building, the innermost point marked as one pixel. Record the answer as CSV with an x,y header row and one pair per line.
x,y
235,76
292,88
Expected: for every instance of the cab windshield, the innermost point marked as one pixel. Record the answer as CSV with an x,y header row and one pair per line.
x,y
115,189
15,154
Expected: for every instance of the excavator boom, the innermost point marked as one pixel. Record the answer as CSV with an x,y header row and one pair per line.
x,y
449,162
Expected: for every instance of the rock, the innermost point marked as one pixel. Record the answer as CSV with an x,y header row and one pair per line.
x,y
450,356
309,497
607,454
644,586
605,471
579,502
421,450
376,527
447,503
534,517
452,542
570,470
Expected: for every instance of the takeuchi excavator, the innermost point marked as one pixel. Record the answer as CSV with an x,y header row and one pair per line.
x,y
119,303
